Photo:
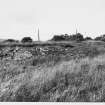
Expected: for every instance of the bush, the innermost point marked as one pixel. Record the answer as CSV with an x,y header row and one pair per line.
x,y
10,40
100,38
88,38
58,38
103,38
26,39
77,37
66,37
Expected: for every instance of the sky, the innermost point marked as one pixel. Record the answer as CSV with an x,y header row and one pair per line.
x,y
20,18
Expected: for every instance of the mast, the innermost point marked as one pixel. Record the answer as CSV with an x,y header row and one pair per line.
x,y
38,35
76,31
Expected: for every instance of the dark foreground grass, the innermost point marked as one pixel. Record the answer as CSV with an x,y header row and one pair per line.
x,y
80,80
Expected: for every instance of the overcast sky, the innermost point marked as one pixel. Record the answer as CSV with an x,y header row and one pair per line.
x,y
19,18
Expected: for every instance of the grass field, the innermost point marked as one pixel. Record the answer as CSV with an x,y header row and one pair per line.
x,y
56,78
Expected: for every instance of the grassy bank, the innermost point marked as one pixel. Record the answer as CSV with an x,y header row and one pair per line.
x,y
75,80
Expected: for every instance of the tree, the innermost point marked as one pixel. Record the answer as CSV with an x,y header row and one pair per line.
x,y
100,38
66,37
88,38
58,38
26,39
103,38
77,37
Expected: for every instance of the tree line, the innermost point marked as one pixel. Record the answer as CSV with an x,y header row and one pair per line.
x,y
76,37
63,37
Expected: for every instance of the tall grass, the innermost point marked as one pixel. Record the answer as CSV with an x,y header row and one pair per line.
x,y
70,81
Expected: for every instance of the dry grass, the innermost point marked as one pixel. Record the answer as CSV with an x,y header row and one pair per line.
x,y
77,75
69,81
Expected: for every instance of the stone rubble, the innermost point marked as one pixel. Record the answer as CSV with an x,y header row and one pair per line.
x,y
18,53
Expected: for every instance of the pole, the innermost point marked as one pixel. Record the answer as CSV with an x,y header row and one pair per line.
x,y
76,31
38,35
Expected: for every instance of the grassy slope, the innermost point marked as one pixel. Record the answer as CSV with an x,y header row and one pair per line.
x,y
75,80
82,80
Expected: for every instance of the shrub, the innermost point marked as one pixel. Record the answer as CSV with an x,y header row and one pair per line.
x,y
66,37
88,38
26,39
58,38
11,40
103,38
100,38
77,37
